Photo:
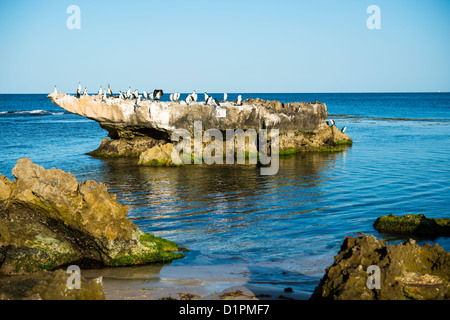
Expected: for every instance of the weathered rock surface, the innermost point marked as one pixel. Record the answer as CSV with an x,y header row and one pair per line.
x,y
413,224
158,156
46,285
408,271
48,220
135,129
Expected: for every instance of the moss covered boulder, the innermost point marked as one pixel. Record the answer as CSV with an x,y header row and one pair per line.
x,y
412,224
406,271
49,220
46,285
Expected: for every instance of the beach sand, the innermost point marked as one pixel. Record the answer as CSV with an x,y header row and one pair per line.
x,y
148,283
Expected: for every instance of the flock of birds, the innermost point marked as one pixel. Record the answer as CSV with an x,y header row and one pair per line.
x,y
158,93
332,123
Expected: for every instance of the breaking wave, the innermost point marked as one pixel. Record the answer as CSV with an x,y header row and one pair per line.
x,y
32,112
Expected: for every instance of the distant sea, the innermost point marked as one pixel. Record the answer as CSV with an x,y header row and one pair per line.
x,y
282,229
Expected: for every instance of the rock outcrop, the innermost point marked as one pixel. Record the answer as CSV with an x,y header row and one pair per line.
x,y
49,220
49,285
413,224
407,271
134,129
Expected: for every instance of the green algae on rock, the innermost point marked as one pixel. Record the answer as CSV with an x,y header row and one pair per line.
x,y
48,220
407,271
413,224
46,285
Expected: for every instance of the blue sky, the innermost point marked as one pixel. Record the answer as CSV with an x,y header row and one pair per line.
x,y
225,46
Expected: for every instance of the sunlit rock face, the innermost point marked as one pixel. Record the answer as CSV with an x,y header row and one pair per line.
x,y
134,128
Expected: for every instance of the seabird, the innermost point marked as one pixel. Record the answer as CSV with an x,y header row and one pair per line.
x,y
225,96
215,102
176,96
128,94
104,96
79,90
171,97
145,94
136,93
152,96
332,122
100,91
194,96
206,98
55,91
158,93
343,129
189,99
121,96
109,92
85,93
239,100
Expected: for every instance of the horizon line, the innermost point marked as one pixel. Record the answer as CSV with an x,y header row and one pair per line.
x,y
324,92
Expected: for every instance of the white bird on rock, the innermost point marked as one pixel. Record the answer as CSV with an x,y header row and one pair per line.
x,y
55,91
189,99
343,129
239,100
225,96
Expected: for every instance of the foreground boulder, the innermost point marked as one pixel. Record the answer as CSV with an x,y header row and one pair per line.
x,y
46,285
407,271
49,220
413,224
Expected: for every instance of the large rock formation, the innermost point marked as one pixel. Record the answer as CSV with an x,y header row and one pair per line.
x,y
407,271
49,220
134,129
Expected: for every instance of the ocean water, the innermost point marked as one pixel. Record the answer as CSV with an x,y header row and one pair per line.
x,y
240,226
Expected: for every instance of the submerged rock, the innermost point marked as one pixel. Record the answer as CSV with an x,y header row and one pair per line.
x,y
48,220
407,271
413,224
134,129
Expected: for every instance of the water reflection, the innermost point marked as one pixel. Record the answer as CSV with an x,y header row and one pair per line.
x,y
223,208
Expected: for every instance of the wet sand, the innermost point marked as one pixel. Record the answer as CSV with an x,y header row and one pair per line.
x,y
148,283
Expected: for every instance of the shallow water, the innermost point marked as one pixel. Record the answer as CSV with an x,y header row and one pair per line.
x,y
241,226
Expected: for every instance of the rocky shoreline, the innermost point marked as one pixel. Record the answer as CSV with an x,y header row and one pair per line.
x,y
144,131
49,221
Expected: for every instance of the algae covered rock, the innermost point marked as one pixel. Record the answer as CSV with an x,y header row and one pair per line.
x,y
406,271
50,220
412,224
46,285
158,156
